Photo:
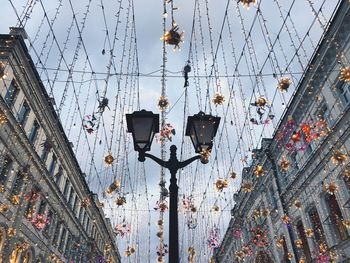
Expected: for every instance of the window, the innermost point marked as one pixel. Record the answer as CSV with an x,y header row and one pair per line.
x,y
302,236
47,227
68,245
52,164
34,132
325,114
5,168
285,252
336,217
81,213
46,149
17,185
59,176
11,93
343,89
66,188
75,206
317,226
70,199
62,240
42,207
272,197
23,114
57,233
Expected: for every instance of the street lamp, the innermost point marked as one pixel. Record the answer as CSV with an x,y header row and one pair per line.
x,y
201,128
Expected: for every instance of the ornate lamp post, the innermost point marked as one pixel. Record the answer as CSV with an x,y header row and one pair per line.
x,y
201,128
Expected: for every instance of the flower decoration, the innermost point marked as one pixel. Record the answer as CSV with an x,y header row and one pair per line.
x,y
173,37
4,208
205,154
296,137
259,237
283,84
85,202
247,187
102,105
129,251
3,118
109,159
256,214
247,250
280,242
188,204
218,99
297,204
331,188
32,196
286,219
259,171
239,254
40,221
309,232
214,238
163,103
11,231
191,254
299,243
122,229
339,157
284,164
120,201
15,199
237,233
246,3
161,206
160,222
90,123
233,175
221,184
166,133
345,74
113,187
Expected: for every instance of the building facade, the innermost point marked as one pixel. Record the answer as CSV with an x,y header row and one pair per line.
x,y
294,203
47,212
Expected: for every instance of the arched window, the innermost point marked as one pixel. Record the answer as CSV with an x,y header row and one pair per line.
x,y
317,226
302,236
2,241
336,217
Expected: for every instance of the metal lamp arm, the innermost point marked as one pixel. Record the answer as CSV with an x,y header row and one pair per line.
x,y
188,161
157,160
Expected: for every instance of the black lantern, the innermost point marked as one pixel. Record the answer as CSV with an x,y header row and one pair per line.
x,y
143,125
202,129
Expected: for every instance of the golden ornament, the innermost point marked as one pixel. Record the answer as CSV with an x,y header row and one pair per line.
x,y
218,99
261,102
2,70
297,204
15,199
256,214
323,248
246,3
284,164
332,188
346,223
113,187
160,222
220,184
290,256
109,159
283,84
120,201
163,103
4,208
11,231
2,188
339,157
309,232
205,154
3,118
173,37
299,243
345,74
346,174
259,171
247,187
215,208
85,202
280,242
285,219
265,212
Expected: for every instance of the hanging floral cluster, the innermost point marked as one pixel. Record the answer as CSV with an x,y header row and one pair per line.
x,y
102,105
129,251
115,186
120,201
339,157
280,242
259,237
161,206
191,254
345,74
331,188
166,133
215,208
188,204
11,232
90,123
122,229
246,3
221,184
54,258
173,37
323,255
257,213
283,84
261,105
233,175
109,159
15,199
346,223
213,240
284,164
40,221
285,130
163,103
3,118
237,233
218,99
245,252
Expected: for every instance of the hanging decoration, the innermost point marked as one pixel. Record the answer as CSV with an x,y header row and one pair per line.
x,y
237,233
185,71
261,105
166,133
173,37
4,208
284,164
297,204
280,242
15,199
345,74
259,237
3,118
109,159
247,3
309,232
286,220
233,175
339,157
2,70
188,204
284,84
218,99
90,123
161,250
40,221
346,223
331,188
192,222
247,250
102,105
221,184
163,103
122,229
259,171
299,243
129,251
213,240
120,201
205,154
11,232
215,208
115,186
191,254
161,206
247,187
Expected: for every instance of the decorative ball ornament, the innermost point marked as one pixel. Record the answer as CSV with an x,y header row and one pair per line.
x,y
3,118
15,199
115,186
221,184
290,256
284,164
339,157
218,99
283,84
11,231
246,3
345,74
259,171
173,37
109,159
247,187
163,103
309,232
331,188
